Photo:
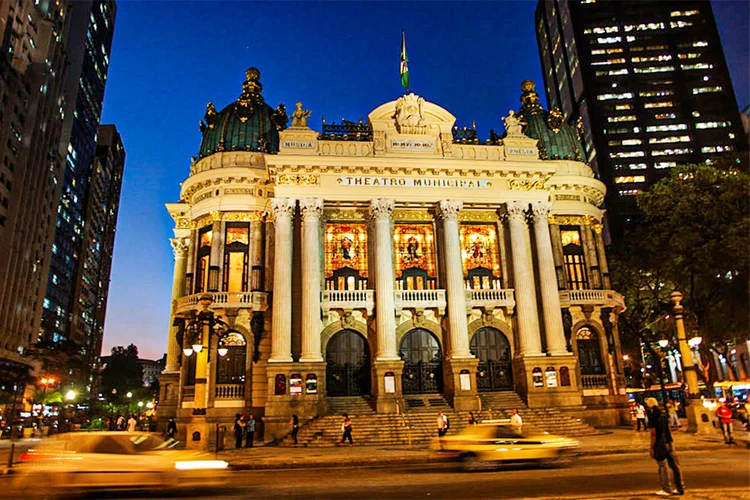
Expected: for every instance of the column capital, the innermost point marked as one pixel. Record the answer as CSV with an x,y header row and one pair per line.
x,y
283,207
180,247
311,207
448,209
381,208
541,210
517,210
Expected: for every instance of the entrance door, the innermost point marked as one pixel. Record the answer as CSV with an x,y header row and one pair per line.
x,y
348,365
423,363
494,371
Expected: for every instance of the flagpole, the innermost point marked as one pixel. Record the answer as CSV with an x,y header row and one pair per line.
x,y
404,68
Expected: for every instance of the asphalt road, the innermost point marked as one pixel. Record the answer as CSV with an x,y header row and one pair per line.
x,y
589,476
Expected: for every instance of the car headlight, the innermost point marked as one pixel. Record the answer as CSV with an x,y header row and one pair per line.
x,y
201,464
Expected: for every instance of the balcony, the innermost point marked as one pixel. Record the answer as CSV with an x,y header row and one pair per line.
x,y
348,300
594,381
601,298
420,300
230,391
487,300
257,301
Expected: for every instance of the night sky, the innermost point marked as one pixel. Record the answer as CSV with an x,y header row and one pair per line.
x,y
339,59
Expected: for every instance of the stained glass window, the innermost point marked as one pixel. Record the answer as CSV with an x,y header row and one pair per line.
x,y
414,247
346,256
480,256
205,237
237,234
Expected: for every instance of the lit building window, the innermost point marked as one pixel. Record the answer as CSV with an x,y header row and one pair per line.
x,y
575,264
669,152
627,154
704,125
654,69
626,118
650,26
630,38
623,107
607,97
638,166
666,128
618,60
656,93
659,58
629,179
716,149
700,44
689,67
609,39
665,164
680,24
689,55
629,192
665,116
663,104
683,13
625,142
704,90
667,140
480,257
346,256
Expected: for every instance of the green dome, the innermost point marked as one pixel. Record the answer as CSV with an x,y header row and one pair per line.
x,y
248,124
557,139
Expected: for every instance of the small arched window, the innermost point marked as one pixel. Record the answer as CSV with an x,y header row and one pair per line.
x,y
230,368
589,352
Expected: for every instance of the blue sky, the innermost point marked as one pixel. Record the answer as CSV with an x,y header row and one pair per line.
x,y
340,59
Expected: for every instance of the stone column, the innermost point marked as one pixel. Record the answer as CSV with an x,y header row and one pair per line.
x,y
523,279
553,325
385,315
255,274
190,287
180,247
602,255
312,210
281,319
454,282
216,259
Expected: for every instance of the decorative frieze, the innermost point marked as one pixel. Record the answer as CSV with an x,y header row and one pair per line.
x,y
404,214
298,179
573,220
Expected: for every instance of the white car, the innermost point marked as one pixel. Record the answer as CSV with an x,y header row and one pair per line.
x,y
86,461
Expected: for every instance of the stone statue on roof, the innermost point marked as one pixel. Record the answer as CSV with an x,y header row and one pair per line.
x,y
513,124
300,116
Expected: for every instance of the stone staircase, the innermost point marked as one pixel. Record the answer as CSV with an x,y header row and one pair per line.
x,y
417,425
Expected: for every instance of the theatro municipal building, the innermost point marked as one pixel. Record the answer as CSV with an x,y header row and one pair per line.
x,y
390,258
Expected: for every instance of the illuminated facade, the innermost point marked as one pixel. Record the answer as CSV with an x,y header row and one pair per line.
x,y
389,259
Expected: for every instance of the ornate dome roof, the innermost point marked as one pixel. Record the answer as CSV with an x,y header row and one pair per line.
x,y
557,139
248,124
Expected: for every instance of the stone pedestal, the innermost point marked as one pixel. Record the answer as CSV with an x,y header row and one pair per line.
x,y
463,396
699,418
387,394
305,404
542,388
169,390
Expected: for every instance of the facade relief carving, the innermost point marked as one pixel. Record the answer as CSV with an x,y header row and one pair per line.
x,y
180,247
381,208
409,115
541,210
283,207
311,207
517,210
449,209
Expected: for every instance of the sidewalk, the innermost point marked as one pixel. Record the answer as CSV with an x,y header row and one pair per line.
x,y
711,494
615,441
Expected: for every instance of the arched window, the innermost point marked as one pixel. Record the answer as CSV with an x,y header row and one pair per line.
x,y
589,352
230,368
236,244
204,256
574,256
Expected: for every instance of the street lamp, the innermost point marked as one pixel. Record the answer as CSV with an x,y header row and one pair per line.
x,y
129,395
695,342
70,395
663,343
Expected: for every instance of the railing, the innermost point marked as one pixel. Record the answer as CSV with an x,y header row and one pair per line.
x,y
347,300
420,299
607,298
347,131
188,393
230,391
490,299
594,381
242,300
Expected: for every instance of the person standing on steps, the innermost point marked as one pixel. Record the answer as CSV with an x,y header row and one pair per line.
x,y
249,431
472,418
346,428
640,417
442,424
294,424
515,420
239,430
662,450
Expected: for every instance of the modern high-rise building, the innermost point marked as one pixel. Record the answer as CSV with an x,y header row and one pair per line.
x,y
34,64
87,212
650,84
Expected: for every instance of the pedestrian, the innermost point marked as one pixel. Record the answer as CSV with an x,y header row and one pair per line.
x,y
239,430
120,423
442,424
108,424
132,423
249,431
346,428
171,429
724,412
515,420
674,420
640,417
472,418
662,450
294,424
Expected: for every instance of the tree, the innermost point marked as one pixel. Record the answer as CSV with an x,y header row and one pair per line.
x,y
64,360
123,373
694,238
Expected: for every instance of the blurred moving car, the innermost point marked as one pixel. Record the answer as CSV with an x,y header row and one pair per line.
x,y
497,442
86,461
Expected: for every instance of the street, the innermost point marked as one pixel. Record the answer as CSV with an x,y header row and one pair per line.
x,y
633,474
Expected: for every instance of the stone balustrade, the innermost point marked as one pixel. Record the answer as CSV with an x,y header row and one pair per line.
x,y
594,381
257,301
347,300
602,298
420,300
230,391
487,300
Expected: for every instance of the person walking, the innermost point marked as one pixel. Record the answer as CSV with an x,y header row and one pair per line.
x,y
249,431
171,429
472,418
294,424
640,417
674,420
515,420
239,430
132,423
724,413
346,428
120,423
662,450
442,424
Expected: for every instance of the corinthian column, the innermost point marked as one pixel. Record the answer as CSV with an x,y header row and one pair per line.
x,y
180,247
312,209
459,332
523,277
380,218
281,319
553,325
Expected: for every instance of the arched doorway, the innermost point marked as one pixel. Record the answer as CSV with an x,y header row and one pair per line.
x,y
494,371
423,363
348,365
589,352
